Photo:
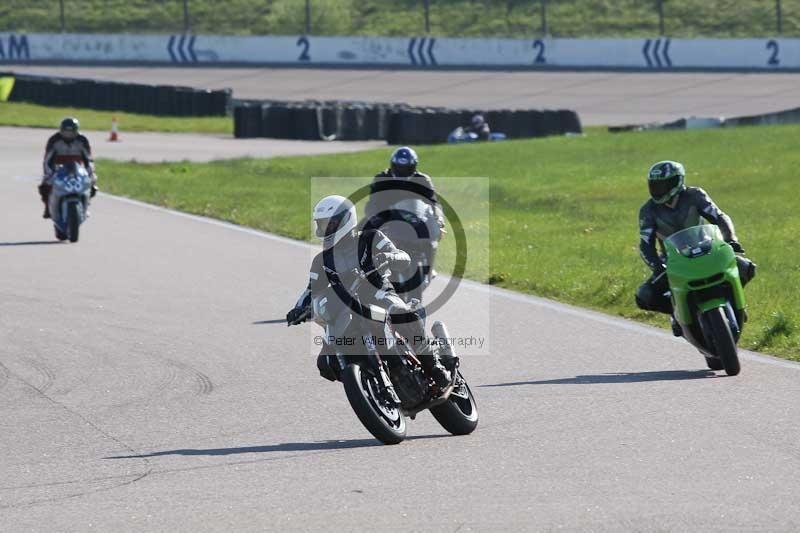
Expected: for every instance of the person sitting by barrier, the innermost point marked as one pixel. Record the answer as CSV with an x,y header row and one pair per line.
x,y
478,130
64,146
479,127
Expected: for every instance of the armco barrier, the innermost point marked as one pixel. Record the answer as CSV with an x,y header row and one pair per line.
x,y
112,96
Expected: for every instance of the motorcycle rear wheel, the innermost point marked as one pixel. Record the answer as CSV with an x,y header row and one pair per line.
x,y
379,415
724,344
714,364
459,414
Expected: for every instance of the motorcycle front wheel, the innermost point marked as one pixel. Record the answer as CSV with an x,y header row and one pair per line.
x,y
459,414
724,345
378,413
73,221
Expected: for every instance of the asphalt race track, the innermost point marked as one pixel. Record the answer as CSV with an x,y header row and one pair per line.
x,y
601,98
154,147
147,382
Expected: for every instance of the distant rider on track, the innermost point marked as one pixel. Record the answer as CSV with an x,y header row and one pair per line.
x,y
673,207
65,146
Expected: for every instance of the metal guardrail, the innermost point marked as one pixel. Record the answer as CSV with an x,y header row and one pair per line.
x,y
456,18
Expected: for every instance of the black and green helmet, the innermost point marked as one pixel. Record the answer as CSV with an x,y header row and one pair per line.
x,y
665,180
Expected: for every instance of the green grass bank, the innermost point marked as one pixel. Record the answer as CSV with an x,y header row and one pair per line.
x,y
39,116
563,217
465,18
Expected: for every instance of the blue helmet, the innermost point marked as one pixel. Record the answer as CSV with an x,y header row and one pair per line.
x,y
404,162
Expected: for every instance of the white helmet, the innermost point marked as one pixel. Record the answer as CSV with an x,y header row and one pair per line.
x,y
334,216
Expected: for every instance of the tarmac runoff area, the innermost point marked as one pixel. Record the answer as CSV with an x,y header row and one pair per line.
x,y
601,98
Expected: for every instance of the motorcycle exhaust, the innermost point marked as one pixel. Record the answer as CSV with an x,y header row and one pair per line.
x,y
439,331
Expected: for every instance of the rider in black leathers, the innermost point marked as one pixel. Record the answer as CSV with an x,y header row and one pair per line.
x,y
348,252
402,193
672,208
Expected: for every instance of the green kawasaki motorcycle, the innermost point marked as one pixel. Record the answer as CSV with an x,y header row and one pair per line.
x,y
707,294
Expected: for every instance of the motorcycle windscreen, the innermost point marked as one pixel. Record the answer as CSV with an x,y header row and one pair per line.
x,y
695,241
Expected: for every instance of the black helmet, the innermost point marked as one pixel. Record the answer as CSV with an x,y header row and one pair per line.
x,y
69,127
404,162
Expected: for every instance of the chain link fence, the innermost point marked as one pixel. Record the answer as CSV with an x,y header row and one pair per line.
x,y
453,18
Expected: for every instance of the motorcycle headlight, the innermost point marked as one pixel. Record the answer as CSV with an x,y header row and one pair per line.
x,y
697,249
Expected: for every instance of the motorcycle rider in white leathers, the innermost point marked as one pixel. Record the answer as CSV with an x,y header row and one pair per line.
x,y
348,251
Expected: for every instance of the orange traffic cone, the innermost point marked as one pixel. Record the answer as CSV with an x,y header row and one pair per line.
x,y
114,137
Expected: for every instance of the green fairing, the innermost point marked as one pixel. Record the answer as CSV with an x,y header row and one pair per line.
x,y
681,270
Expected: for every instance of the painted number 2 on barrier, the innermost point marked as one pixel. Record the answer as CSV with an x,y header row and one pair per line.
x,y
539,48
774,49
305,46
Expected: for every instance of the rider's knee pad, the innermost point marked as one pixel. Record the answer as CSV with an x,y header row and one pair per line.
x,y
324,367
648,300
643,298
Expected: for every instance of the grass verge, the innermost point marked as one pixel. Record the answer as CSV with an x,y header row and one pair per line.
x,y
463,18
563,220
39,116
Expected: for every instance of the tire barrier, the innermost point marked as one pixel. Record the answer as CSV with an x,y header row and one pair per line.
x,y
395,123
164,100
247,121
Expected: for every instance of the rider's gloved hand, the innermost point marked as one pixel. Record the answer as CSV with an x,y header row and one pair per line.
x,y
736,247
382,259
295,316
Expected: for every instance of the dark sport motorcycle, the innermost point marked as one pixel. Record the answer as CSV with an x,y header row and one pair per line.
x,y
382,377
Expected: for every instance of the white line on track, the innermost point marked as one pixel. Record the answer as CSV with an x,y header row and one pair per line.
x,y
559,307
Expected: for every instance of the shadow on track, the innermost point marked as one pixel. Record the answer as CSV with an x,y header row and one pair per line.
x,y
624,377
29,243
284,447
271,321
